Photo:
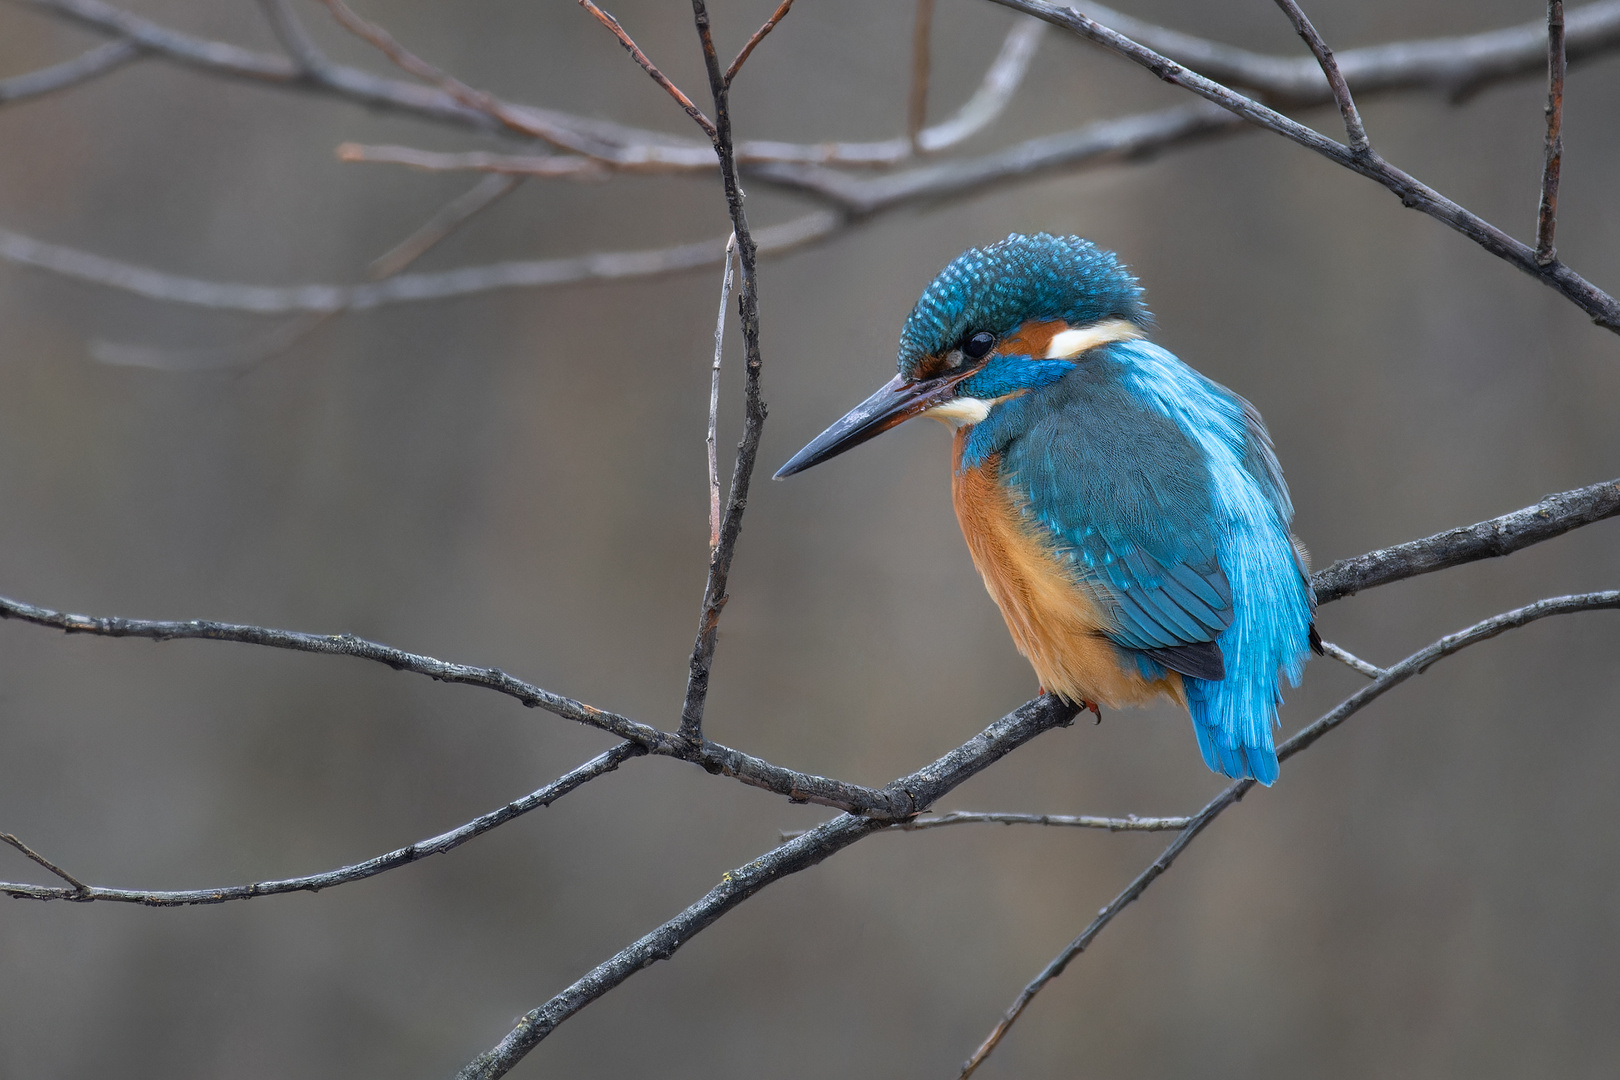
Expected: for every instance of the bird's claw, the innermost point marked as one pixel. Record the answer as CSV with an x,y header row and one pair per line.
x,y
1095,709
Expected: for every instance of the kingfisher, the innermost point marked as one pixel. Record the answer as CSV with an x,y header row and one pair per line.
x,y
1127,514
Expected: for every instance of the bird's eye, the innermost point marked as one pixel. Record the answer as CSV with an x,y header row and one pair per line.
x,y
977,346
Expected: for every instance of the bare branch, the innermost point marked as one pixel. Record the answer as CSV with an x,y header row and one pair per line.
x,y
1603,308
1547,217
714,401
568,166
1415,664
1129,823
82,68
1552,516
649,67
450,217
1353,129
917,100
289,30
343,875
1351,660
758,36
742,471
927,786
79,888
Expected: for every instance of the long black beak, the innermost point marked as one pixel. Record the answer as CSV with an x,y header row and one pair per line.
x,y
896,401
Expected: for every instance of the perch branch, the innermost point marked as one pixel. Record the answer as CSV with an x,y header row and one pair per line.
x,y
1351,660
343,875
1415,664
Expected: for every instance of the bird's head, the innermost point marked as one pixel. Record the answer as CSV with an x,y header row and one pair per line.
x,y
998,322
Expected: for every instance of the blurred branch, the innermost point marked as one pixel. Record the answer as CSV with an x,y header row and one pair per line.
x,y
450,217
1603,308
549,165
82,68
1351,660
650,68
926,786
1355,132
1415,664
1547,216
343,875
1552,516
917,100
1129,823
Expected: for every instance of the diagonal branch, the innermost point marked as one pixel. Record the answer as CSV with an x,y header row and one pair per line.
x,y
1415,664
79,889
81,69
1603,308
927,785
1129,823
343,875
758,36
649,67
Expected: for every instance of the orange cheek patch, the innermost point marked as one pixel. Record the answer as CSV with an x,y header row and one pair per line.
x,y
1032,339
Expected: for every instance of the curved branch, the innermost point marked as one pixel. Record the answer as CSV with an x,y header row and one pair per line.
x,y
1392,677
82,68
343,875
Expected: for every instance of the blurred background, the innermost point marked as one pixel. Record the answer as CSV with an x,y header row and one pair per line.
x,y
518,479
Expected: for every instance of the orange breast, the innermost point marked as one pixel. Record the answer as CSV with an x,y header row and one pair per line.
x,y
1055,622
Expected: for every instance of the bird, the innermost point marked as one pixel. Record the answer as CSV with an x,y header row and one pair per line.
x,y
1127,514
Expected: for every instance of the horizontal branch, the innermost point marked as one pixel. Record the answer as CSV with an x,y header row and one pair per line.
x,y
1552,516
82,68
1129,823
1603,309
926,786
567,166
1392,677
343,875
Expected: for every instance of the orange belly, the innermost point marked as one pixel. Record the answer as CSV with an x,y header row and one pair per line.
x,y
1054,621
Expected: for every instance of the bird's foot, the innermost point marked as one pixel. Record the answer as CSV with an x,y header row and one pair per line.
x,y
1095,709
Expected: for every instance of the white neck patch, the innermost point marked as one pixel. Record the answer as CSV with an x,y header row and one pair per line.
x,y
1068,344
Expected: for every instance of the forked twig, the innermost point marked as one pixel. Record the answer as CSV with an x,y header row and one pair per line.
x,y
1353,129
79,887
649,67
1547,216
714,400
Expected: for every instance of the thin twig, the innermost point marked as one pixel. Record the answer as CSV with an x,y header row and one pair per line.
x,y
79,888
714,401
917,100
1351,660
89,65
758,36
566,166
1353,129
450,217
1129,823
1415,664
343,875
649,67
289,30
742,472
1547,217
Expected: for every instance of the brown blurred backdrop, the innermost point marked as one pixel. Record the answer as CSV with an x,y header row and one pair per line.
x,y
517,479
